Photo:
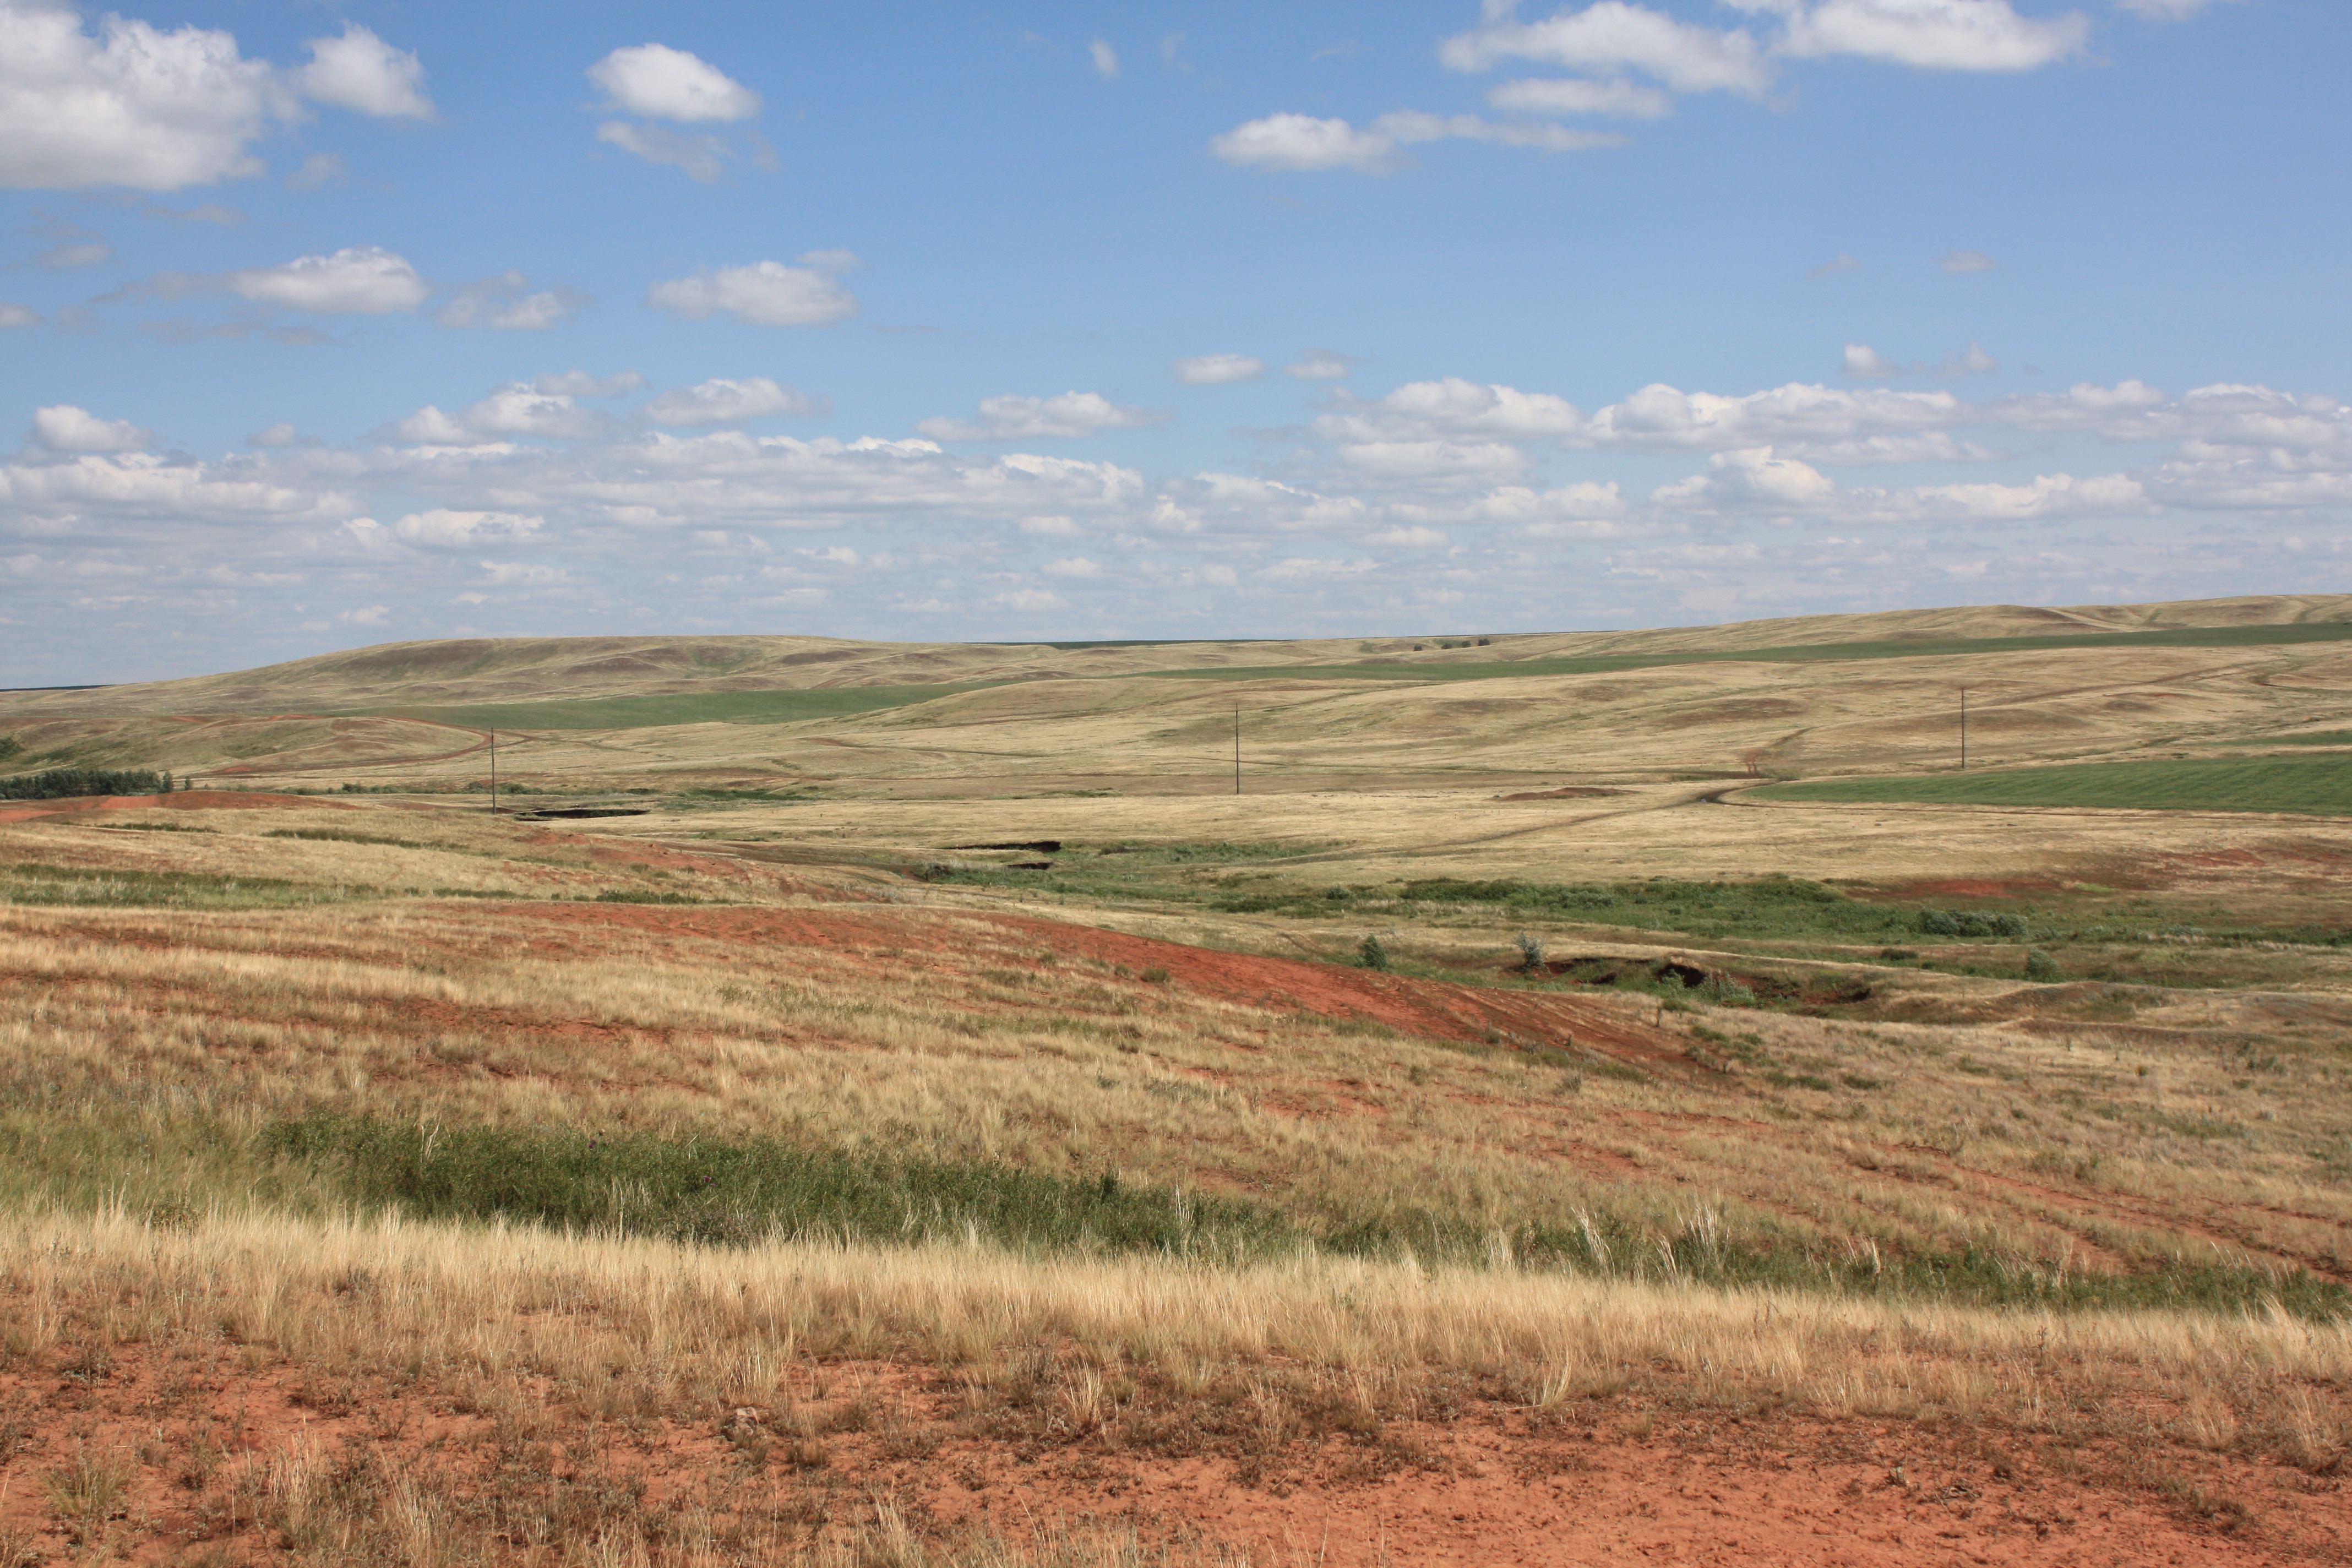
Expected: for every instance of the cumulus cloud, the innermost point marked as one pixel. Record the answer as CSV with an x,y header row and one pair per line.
x,y
1866,363
579,384
282,434
1212,369
17,315
1011,417
1753,479
139,107
360,71
445,529
1962,261
317,172
1105,59
62,427
1031,599
719,401
764,294
702,159
1579,96
1615,35
1074,567
1320,364
1839,263
359,280
662,83
136,105
2166,10
506,303
79,253
1302,142
1931,35
519,408
1426,410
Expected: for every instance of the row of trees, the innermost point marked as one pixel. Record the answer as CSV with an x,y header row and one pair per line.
x,y
67,784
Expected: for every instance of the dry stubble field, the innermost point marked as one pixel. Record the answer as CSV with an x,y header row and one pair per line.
x,y
780,1174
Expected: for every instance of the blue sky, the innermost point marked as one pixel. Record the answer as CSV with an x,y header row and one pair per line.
x,y
331,324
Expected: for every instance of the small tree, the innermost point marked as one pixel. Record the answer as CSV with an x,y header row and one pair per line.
x,y
2039,966
1371,954
1531,959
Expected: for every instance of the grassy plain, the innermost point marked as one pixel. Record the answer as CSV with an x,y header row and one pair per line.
x,y
965,1132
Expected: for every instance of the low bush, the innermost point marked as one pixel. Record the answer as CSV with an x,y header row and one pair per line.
x,y
71,783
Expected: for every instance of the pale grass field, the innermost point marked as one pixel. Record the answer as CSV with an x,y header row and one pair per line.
x,y
629,1328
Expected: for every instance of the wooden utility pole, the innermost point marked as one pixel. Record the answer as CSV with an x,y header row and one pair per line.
x,y
1964,729
1237,748
493,773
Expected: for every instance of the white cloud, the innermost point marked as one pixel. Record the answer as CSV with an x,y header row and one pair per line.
x,y
1577,96
1615,35
1301,143
142,108
1320,364
1866,363
2049,495
1309,567
1011,417
1074,567
1824,422
1963,261
579,384
1932,34
719,401
464,529
1839,263
360,71
282,434
1414,538
702,159
519,408
1433,461
358,281
86,253
764,294
62,427
1749,480
372,616
1031,599
1052,527
1105,59
17,316
2165,10
317,172
1425,410
521,574
1212,370
662,83
500,303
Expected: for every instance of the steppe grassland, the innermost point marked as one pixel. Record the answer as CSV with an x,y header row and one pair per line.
x,y
942,1032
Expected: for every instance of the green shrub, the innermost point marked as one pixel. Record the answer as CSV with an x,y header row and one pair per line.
x,y
2041,967
1371,954
1531,953
71,783
1966,922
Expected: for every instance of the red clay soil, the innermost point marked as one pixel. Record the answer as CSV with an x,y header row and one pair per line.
x,y
1596,1482
1425,1009
178,800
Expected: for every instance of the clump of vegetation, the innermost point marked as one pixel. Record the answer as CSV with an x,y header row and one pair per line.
x,y
2041,967
644,896
1371,953
1968,922
71,783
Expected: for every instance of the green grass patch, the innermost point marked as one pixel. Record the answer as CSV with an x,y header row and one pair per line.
x,y
338,836
2317,786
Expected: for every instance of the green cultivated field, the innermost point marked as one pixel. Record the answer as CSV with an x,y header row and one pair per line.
x,y
2317,786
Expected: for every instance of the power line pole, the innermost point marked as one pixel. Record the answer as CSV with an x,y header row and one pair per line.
x,y
1964,729
1237,748
493,773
